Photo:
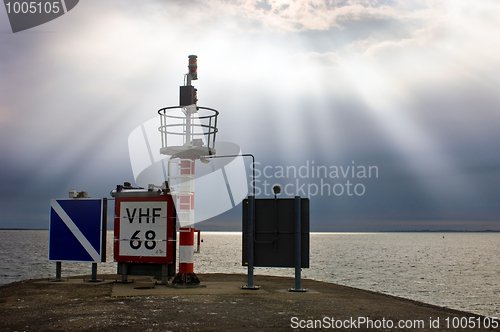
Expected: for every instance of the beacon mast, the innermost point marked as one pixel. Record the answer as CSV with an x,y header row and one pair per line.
x,y
188,133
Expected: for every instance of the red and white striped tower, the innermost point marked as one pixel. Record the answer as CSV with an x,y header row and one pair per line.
x,y
186,219
197,127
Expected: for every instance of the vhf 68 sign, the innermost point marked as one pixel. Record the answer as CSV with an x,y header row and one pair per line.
x,y
144,229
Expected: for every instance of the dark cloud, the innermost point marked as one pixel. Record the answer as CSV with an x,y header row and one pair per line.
x,y
69,100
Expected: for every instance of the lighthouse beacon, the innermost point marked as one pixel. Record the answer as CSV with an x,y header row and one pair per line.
x,y
187,134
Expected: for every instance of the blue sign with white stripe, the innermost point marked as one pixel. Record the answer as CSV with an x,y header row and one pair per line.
x,y
77,230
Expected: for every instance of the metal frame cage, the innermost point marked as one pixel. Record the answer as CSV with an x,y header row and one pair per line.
x,y
186,132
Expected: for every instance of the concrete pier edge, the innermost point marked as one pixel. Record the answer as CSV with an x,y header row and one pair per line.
x,y
76,305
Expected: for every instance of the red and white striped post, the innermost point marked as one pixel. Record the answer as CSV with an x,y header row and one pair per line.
x,y
186,249
186,275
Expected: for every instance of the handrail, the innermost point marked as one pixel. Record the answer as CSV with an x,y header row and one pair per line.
x,y
170,122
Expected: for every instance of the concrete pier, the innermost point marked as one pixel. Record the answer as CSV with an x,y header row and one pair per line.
x,y
75,305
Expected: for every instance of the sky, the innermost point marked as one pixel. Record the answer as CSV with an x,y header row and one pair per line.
x,y
406,89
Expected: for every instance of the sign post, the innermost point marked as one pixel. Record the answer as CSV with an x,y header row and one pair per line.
x,y
77,231
250,241
276,234
298,247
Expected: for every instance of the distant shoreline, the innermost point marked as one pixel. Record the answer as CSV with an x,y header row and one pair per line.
x,y
396,231
444,231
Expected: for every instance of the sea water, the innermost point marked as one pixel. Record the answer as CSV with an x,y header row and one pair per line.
x,y
455,270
